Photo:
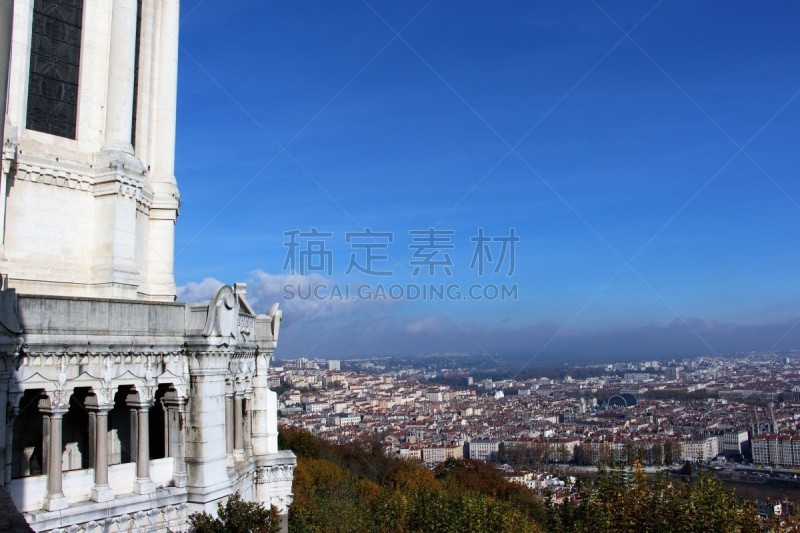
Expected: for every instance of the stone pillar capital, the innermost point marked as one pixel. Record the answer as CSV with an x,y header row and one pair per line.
x,y
176,402
136,400
57,411
97,405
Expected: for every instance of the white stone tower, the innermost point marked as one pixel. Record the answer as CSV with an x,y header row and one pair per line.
x,y
90,197
120,409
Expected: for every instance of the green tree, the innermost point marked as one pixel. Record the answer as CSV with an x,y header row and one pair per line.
x,y
237,516
300,441
657,453
620,501
582,454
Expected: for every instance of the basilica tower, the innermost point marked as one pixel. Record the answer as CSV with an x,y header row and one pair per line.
x,y
90,198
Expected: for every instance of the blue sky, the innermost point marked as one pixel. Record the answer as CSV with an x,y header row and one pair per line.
x,y
645,153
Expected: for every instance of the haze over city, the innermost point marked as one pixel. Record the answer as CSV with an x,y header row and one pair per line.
x,y
643,153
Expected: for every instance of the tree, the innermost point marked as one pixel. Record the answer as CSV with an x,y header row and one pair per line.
x,y
300,441
237,516
620,502
583,454
657,453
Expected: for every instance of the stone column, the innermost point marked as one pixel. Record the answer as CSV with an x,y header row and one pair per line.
x,y
143,484
229,428
205,428
167,93
101,492
238,427
9,441
115,272
248,427
54,499
4,422
176,442
91,441
166,199
6,23
122,57
264,407
142,136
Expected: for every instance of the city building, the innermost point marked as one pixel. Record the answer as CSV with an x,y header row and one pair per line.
x,y
484,449
122,409
734,442
441,453
778,450
699,449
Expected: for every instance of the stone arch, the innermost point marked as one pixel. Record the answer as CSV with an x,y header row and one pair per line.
x,y
75,432
159,444
121,448
28,455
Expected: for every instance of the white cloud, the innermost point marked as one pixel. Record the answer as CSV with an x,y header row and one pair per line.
x,y
296,293
197,292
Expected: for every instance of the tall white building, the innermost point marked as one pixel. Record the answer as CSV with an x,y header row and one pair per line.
x,y
734,441
780,450
121,409
699,449
484,449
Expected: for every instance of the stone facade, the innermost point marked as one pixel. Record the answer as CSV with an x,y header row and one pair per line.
x,y
124,410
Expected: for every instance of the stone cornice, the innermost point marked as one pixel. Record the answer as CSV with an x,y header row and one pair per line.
x,y
101,179
55,359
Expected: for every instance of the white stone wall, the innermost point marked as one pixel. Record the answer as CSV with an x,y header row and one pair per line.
x,y
28,493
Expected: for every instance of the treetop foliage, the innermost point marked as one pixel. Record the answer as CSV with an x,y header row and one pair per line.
x,y
237,516
357,487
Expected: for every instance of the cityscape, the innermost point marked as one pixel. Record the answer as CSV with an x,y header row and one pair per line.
x,y
739,414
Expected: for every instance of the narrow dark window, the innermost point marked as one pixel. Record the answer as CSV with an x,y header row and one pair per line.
x,y
136,70
55,59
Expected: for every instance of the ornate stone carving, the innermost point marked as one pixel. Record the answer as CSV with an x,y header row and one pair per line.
x,y
60,395
247,324
274,474
223,314
276,315
75,180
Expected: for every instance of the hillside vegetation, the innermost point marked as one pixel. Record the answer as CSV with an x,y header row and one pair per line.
x,y
356,487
